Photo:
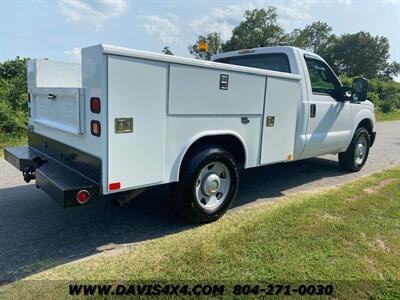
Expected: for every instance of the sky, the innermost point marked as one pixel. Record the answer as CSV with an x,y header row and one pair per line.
x,y
57,29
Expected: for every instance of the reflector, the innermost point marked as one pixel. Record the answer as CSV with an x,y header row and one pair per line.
x,y
95,128
114,186
82,196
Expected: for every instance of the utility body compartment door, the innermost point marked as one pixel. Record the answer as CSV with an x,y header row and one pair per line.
x,y
58,108
137,94
279,122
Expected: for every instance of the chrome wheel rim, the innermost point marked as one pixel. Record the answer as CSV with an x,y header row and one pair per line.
x,y
360,150
212,185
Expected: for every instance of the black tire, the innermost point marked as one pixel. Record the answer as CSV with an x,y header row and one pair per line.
x,y
184,192
347,160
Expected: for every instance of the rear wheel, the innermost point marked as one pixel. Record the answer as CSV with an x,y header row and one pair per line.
x,y
208,184
357,153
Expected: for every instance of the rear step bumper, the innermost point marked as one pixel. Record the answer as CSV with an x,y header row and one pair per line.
x,y
58,179
63,184
23,158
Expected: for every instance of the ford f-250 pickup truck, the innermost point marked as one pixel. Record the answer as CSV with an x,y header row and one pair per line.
x,y
124,120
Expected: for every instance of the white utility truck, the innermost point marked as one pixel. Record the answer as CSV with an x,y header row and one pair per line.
x,y
124,120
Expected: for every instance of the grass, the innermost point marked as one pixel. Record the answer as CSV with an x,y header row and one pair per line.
x,y
9,140
347,236
390,116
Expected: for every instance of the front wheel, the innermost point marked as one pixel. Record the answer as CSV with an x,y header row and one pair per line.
x,y
208,184
357,153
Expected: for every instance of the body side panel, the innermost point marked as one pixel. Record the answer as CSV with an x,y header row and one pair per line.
x,y
137,89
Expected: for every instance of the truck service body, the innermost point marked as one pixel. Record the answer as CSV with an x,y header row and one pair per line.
x,y
124,120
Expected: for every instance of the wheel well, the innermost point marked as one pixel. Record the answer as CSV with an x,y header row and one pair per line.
x,y
367,124
228,142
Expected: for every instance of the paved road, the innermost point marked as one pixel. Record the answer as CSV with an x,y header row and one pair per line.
x,y
36,234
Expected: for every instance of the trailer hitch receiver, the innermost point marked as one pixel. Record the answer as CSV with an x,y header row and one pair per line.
x,y
28,173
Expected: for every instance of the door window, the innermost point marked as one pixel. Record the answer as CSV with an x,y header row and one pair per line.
x,y
323,80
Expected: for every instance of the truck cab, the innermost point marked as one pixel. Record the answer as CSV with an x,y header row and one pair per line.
x,y
327,117
124,120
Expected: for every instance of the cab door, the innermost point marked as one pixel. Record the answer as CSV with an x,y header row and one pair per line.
x,y
328,126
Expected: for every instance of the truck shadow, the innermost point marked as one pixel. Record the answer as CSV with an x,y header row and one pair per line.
x,y
36,234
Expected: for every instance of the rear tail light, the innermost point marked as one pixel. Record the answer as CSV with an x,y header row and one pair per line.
x,y
95,128
95,105
82,196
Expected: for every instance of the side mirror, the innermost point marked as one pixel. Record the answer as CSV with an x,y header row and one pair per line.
x,y
359,89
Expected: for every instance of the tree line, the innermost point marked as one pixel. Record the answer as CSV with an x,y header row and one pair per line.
x,y
350,54
358,54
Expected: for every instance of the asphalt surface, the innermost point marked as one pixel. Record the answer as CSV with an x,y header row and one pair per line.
x,y
37,234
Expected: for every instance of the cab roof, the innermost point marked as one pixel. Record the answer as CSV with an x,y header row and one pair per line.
x,y
289,50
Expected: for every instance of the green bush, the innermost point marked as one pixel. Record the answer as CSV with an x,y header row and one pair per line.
x,y
388,105
384,93
13,97
374,98
388,92
346,81
11,121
